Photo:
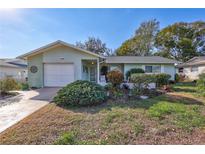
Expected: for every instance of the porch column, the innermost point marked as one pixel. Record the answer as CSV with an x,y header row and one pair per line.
x,y
98,71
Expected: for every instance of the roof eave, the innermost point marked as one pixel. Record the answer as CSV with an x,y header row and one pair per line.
x,y
59,42
140,63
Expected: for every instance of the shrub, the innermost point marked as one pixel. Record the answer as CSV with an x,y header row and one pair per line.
x,y
108,86
141,81
201,84
117,93
177,77
80,93
24,86
115,77
162,79
133,71
8,84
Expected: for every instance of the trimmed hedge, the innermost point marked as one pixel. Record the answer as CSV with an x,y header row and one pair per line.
x,y
80,93
162,79
144,79
133,71
141,80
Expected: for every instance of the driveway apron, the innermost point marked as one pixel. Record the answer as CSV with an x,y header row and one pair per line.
x,y
30,102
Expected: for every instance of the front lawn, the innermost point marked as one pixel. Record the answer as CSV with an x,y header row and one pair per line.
x,y
175,118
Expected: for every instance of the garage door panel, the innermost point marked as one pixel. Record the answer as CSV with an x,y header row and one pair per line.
x,y
56,75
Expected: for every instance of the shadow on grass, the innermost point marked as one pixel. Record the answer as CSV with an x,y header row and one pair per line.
x,y
189,90
134,104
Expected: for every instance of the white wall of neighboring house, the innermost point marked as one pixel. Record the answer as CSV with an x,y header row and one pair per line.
x,y
19,74
193,75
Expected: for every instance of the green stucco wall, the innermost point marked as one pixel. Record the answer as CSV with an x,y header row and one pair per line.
x,y
35,79
59,54
127,67
170,69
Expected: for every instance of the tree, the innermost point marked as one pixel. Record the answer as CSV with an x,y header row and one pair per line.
x,y
142,44
95,45
181,41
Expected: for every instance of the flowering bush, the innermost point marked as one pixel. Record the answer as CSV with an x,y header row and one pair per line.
x,y
115,77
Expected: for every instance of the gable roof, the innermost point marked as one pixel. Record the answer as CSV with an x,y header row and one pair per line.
x,y
140,60
15,63
55,44
194,61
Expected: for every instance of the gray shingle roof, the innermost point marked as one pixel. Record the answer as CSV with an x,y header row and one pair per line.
x,y
140,59
15,63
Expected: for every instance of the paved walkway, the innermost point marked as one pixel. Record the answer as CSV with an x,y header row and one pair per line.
x,y
29,102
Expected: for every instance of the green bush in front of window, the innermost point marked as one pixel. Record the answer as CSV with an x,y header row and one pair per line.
x,y
141,81
162,79
133,71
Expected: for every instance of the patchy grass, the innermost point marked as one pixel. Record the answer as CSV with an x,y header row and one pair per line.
x,y
189,87
67,138
162,109
185,117
174,118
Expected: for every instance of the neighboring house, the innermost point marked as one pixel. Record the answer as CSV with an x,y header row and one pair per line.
x,y
60,63
15,68
192,68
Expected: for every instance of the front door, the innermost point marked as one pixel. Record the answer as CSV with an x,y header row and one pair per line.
x,y
93,74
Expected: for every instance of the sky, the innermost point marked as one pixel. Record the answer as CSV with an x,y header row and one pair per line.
x,y
23,30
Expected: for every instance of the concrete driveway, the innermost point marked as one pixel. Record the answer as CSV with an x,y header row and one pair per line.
x,y
26,103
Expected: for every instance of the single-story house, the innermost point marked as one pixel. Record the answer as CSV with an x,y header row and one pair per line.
x,y
60,63
192,68
15,68
150,64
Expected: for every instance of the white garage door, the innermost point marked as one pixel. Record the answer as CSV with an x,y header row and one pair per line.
x,y
58,75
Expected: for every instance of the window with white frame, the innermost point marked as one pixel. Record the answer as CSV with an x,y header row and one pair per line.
x,y
148,69
194,69
153,69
